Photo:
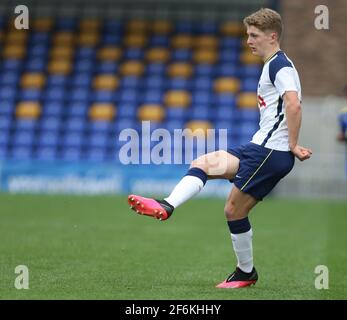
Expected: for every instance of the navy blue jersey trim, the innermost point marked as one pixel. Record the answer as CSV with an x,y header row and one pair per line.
x,y
277,64
279,110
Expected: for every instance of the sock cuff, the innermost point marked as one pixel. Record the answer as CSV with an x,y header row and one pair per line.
x,y
239,226
197,172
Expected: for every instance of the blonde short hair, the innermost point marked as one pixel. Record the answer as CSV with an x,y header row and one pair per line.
x,y
265,19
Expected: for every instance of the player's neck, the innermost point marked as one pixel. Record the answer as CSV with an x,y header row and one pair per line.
x,y
268,55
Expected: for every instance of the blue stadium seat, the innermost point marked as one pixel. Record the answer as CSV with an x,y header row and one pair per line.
x,y
23,138
113,26
30,95
227,70
96,154
184,26
107,67
122,124
21,153
53,109
77,124
81,79
38,51
103,96
81,94
71,154
181,55
7,107
202,83
176,113
85,53
78,108
230,43
72,139
251,71
130,82
177,83
203,69
48,139
5,123
206,27
202,97
224,99
153,82
133,54
8,93
11,64
25,124
159,41
46,153
55,94
128,96
36,65
99,140
100,126
3,152
50,123
66,24
126,110
171,125
56,81
200,112
9,78
155,69
226,113
4,137
84,65
152,96
249,115
229,56
39,37
249,85
111,39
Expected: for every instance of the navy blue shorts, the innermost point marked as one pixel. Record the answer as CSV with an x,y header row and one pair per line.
x,y
260,168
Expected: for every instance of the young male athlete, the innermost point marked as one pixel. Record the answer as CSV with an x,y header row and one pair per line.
x,y
256,167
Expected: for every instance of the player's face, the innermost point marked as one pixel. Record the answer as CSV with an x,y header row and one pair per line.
x,y
259,41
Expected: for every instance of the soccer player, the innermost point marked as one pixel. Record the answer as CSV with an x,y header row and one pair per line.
x,y
256,167
342,136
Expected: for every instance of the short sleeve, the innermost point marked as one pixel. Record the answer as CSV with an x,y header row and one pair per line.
x,y
285,80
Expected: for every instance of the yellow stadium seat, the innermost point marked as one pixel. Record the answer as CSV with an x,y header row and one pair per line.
x,y
227,85
206,42
180,69
88,39
43,24
109,53
135,40
247,57
182,41
198,127
33,80
90,25
247,100
16,37
62,52
158,55
63,38
132,68
105,82
137,26
15,51
162,27
232,29
1,36
60,67
208,56
28,110
102,111
151,112
177,98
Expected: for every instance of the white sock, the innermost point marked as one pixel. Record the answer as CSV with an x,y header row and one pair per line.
x,y
187,188
242,243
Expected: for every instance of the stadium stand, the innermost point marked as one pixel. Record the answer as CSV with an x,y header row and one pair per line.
x,y
68,86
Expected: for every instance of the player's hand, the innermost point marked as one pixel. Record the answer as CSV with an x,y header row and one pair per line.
x,y
301,153
341,137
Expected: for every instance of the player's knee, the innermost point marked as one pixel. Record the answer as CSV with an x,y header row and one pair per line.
x,y
199,163
229,211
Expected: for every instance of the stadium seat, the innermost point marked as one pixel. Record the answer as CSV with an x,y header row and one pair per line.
x,y
60,67
21,153
157,55
180,69
182,41
226,85
75,124
130,82
177,98
198,128
209,42
247,100
96,154
205,56
14,51
162,27
135,40
100,139
133,54
109,53
159,41
155,69
28,110
44,24
105,82
232,29
33,80
151,112
177,83
53,109
49,123
71,154
30,95
102,111
132,68
46,153
181,55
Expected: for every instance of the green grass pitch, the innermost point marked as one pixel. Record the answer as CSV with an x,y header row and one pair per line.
x,y
96,248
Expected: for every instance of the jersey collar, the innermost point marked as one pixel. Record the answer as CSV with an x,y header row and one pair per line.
x,y
269,58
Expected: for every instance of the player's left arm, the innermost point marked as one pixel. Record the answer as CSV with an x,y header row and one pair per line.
x,y
294,115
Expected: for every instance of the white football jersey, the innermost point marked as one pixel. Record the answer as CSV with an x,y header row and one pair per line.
x,y
278,76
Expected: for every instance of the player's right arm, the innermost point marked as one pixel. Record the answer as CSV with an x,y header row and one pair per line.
x,y
293,114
